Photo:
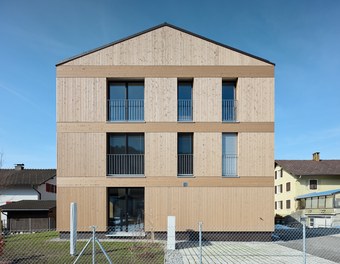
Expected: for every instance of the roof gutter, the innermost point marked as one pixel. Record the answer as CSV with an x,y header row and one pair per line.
x,y
39,194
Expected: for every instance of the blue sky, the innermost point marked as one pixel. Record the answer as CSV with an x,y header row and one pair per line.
x,y
301,37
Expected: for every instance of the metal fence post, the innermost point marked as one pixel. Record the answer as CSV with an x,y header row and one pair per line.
x,y
93,245
200,241
303,220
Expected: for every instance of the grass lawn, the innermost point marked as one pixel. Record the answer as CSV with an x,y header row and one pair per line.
x,y
42,248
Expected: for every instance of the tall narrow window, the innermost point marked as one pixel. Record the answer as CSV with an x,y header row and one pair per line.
x,y
228,102
185,154
229,154
125,153
287,204
126,101
184,93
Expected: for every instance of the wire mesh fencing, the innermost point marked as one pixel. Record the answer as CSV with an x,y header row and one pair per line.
x,y
284,245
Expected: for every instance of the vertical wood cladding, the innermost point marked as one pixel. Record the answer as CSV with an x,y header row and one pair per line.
x,y
207,100
208,154
81,99
160,154
255,99
165,46
160,99
91,207
81,154
256,154
219,208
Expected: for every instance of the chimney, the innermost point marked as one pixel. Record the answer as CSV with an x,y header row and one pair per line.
x,y
19,166
316,156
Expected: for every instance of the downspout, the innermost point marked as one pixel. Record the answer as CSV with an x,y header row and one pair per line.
x,y
39,194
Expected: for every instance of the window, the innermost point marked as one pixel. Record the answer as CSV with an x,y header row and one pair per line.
x,y
228,102
288,187
275,175
229,154
275,189
314,202
126,101
322,202
184,96
125,153
308,203
280,205
329,201
275,205
281,188
337,200
313,184
185,154
51,188
287,204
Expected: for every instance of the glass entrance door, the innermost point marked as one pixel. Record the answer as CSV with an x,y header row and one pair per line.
x,y
126,209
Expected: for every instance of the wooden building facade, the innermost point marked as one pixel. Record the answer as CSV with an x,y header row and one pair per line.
x,y
166,122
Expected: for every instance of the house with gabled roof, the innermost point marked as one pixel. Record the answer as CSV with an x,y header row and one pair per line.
x,y
26,184
295,179
166,122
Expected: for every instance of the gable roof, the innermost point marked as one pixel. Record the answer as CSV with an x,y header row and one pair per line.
x,y
310,167
157,27
10,177
29,205
315,194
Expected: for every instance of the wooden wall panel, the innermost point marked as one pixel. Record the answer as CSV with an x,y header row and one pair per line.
x,y
255,99
160,154
256,154
81,99
207,154
207,100
166,46
81,154
219,208
160,99
91,207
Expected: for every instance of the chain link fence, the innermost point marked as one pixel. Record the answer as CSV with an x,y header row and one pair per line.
x,y
284,245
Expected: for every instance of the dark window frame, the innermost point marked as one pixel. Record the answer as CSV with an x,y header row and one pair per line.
x,y
179,82
191,152
313,186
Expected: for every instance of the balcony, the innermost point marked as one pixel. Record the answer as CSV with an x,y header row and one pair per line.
x,y
126,110
125,164
229,110
185,164
184,110
229,165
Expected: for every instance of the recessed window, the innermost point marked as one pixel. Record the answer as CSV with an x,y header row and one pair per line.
x,y
280,205
281,188
126,101
185,154
288,187
125,153
229,154
287,204
275,205
275,189
184,100
228,102
313,184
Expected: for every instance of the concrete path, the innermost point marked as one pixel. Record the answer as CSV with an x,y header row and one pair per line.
x,y
241,252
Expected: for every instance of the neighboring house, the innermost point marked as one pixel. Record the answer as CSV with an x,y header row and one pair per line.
x,y
294,178
30,215
26,184
166,122
321,209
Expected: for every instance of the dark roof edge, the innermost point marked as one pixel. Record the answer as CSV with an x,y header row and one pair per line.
x,y
157,27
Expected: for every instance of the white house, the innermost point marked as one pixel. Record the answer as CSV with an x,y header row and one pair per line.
x,y
26,184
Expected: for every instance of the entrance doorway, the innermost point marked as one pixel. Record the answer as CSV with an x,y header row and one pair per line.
x,y
126,209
